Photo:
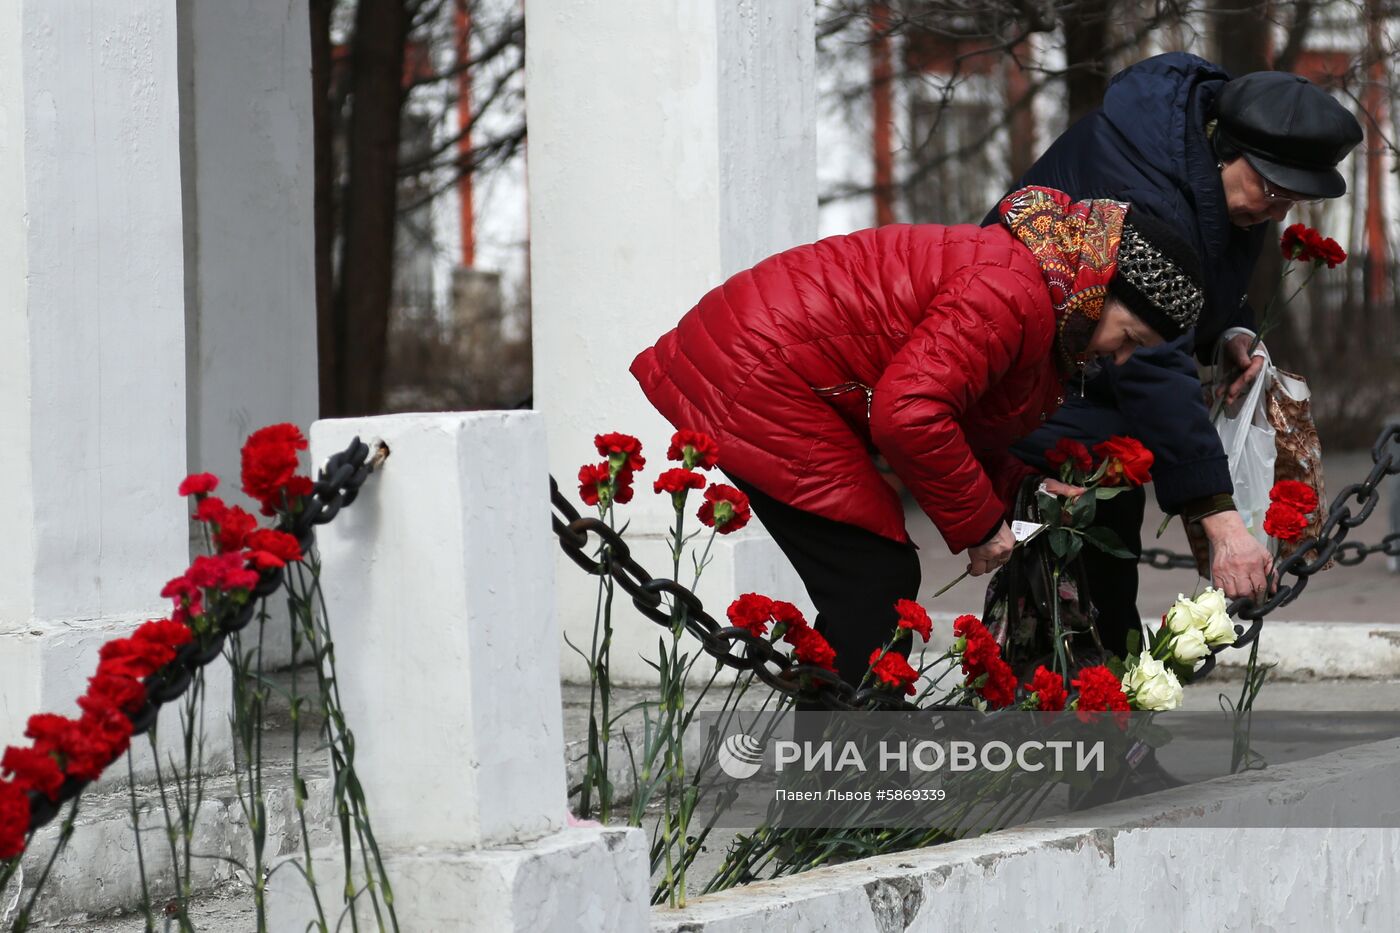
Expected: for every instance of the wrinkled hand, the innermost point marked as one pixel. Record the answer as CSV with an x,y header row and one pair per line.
x,y
1237,353
1057,488
1239,564
984,558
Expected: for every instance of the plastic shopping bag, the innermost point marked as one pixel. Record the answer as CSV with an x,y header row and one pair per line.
x,y
1248,439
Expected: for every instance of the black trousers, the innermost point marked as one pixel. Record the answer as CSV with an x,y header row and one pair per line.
x,y
1113,581
853,577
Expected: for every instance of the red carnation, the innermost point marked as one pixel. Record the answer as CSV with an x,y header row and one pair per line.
x,y
33,769
725,509
622,487
210,509
89,745
46,729
125,693
999,689
810,647
623,451
893,671
677,480
1099,691
1293,243
234,527
595,484
270,462
277,543
1070,451
199,484
752,613
14,819
127,657
1284,522
1129,463
1306,244
163,632
980,650
1290,492
1329,251
790,618
1049,690
693,449
224,572
913,617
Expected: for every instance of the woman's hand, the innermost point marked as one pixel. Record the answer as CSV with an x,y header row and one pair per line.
x,y
984,558
1057,488
1247,366
1239,564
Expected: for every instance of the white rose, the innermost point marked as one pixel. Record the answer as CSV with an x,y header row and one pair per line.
x,y
1220,630
1212,602
1190,646
1184,615
1151,686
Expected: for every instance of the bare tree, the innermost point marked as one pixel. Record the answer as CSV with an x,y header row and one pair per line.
x,y
366,180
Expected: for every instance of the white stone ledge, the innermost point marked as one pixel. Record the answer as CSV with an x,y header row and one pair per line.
x,y
1153,871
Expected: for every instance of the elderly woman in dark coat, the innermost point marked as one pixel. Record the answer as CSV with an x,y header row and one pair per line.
x,y
1217,159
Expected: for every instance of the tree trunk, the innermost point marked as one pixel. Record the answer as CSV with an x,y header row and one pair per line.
x,y
323,134
1242,36
1085,27
365,289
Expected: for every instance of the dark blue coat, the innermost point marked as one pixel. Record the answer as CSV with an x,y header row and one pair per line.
x,y
1147,145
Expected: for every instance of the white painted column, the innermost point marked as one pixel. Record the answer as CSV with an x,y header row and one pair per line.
x,y
247,165
671,145
438,592
92,328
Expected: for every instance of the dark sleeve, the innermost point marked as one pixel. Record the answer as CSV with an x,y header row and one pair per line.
x,y
1159,394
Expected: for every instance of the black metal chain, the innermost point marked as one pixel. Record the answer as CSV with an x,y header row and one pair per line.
x,y
733,647
336,486
1162,559
739,649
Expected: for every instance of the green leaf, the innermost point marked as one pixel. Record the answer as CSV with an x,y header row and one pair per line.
x,y
1108,492
1076,544
1134,641
1059,541
1081,514
1049,507
1107,541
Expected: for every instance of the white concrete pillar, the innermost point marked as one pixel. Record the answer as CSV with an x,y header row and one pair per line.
x,y
438,592
671,145
250,292
92,352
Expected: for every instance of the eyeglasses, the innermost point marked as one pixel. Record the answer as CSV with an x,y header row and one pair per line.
x,y
1276,194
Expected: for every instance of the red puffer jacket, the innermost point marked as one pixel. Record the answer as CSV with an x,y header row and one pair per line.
x,y
929,344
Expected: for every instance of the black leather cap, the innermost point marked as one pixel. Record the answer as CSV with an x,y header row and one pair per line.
x,y
1292,132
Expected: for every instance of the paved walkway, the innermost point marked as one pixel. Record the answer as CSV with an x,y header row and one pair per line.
x,y
1365,593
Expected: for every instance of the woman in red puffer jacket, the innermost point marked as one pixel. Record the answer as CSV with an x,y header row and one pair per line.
x,y
934,346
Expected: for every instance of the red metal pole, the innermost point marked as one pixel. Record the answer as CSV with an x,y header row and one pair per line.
x,y
1377,248
464,144
881,80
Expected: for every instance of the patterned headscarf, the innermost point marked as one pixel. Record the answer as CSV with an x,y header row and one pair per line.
x,y
1075,243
